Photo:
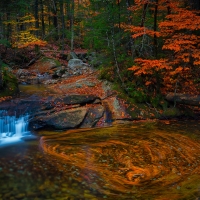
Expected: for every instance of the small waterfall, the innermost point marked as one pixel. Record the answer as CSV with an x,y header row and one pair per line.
x,y
12,128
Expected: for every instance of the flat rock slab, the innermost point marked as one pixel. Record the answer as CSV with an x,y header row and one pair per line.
x,y
52,101
79,99
66,119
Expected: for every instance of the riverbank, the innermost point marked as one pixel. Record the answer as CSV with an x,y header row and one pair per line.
x,y
82,100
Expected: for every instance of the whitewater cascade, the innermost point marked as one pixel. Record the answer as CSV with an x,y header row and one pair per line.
x,y
12,128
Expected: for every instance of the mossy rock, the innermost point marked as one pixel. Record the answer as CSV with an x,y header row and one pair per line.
x,y
172,112
45,65
54,61
9,84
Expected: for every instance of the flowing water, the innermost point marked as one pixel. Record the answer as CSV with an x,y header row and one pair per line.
x,y
143,161
13,129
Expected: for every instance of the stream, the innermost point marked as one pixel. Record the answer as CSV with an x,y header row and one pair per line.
x,y
151,160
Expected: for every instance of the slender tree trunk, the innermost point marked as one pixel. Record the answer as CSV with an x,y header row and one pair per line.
x,y
68,13
114,51
155,29
8,27
63,23
1,28
168,7
49,16
144,14
131,41
42,18
195,4
55,19
72,25
62,14
36,17
119,14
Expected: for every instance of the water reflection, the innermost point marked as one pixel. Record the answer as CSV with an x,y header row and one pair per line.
x,y
37,89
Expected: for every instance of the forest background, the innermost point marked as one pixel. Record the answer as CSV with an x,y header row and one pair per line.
x,y
147,47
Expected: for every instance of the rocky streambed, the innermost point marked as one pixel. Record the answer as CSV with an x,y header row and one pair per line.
x,y
77,99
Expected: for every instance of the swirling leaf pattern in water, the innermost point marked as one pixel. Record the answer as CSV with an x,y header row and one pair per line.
x,y
129,162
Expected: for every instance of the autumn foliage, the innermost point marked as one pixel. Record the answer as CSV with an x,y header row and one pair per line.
x,y
23,32
26,39
179,71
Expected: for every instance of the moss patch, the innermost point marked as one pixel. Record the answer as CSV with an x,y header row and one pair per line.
x,y
45,65
45,59
9,84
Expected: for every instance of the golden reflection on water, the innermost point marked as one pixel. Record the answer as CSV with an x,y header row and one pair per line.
x,y
131,161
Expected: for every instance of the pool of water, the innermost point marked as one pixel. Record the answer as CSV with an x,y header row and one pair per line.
x,y
38,89
151,160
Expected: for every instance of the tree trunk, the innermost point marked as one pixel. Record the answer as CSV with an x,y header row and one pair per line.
x,y
155,29
42,18
72,25
36,17
131,41
63,24
8,27
68,13
55,19
119,14
195,4
144,14
168,7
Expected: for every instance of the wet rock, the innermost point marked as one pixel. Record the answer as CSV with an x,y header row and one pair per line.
x,y
72,55
90,84
93,116
52,101
59,112
75,63
115,106
40,71
66,119
79,99
65,75
50,81
97,101
22,73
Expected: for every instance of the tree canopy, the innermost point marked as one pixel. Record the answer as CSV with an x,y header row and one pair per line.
x,y
149,47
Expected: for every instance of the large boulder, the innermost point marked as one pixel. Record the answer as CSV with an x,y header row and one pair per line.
x,y
76,63
66,119
64,112
39,72
18,106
